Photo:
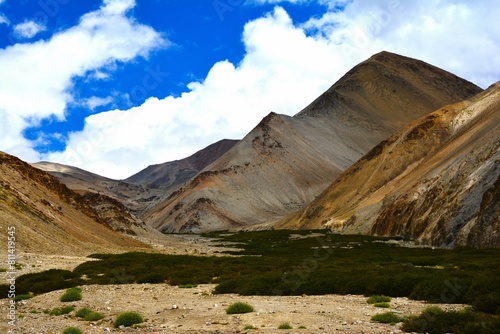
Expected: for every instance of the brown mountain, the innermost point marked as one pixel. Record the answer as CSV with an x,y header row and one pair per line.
x,y
283,163
142,189
49,217
437,181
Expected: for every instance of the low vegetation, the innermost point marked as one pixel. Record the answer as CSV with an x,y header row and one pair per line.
x,y
18,298
128,319
382,305
61,310
285,325
88,315
239,308
434,320
378,299
72,294
72,330
387,318
272,263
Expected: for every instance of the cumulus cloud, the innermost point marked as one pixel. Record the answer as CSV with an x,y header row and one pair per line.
x,y
37,77
28,29
285,67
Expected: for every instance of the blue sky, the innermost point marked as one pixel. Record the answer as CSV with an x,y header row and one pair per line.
x,y
113,86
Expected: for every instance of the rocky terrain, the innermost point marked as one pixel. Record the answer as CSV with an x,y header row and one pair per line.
x,y
49,218
170,309
285,162
436,181
143,189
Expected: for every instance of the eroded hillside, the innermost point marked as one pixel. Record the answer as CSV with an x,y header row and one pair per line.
x,y
436,181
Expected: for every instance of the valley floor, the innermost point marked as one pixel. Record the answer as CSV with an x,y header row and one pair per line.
x,y
170,309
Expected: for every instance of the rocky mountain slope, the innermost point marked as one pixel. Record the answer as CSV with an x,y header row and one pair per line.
x,y
49,218
437,181
143,189
284,162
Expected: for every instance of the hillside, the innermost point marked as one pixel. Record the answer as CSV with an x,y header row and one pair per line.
x,y
143,189
49,217
436,181
285,162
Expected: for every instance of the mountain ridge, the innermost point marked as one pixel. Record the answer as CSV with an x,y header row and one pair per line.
x,y
284,162
411,184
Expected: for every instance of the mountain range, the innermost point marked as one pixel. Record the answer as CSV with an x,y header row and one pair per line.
x,y
395,147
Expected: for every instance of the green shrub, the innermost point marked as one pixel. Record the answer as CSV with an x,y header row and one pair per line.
x,y
72,330
285,325
247,327
88,315
378,299
61,310
387,318
2,270
382,305
83,312
151,278
239,308
128,319
72,294
302,327
489,303
431,311
18,298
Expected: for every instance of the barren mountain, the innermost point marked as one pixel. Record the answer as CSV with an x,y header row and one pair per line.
x,y
437,181
142,189
284,162
49,218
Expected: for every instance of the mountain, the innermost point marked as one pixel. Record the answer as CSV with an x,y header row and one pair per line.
x,y
48,217
142,189
172,174
285,162
436,181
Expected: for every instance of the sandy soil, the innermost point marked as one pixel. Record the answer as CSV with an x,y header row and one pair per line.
x,y
170,309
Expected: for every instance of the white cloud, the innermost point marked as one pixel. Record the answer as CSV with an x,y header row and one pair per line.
x,y
28,29
4,19
94,102
285,67
37,77
274,2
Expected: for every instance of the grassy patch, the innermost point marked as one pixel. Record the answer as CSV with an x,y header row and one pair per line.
x,y
387,318
61,310
88,315
2,270
72,330
128,319
247,327
378,299
382,305
18,298
72,294
239,308
434,321
285,325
